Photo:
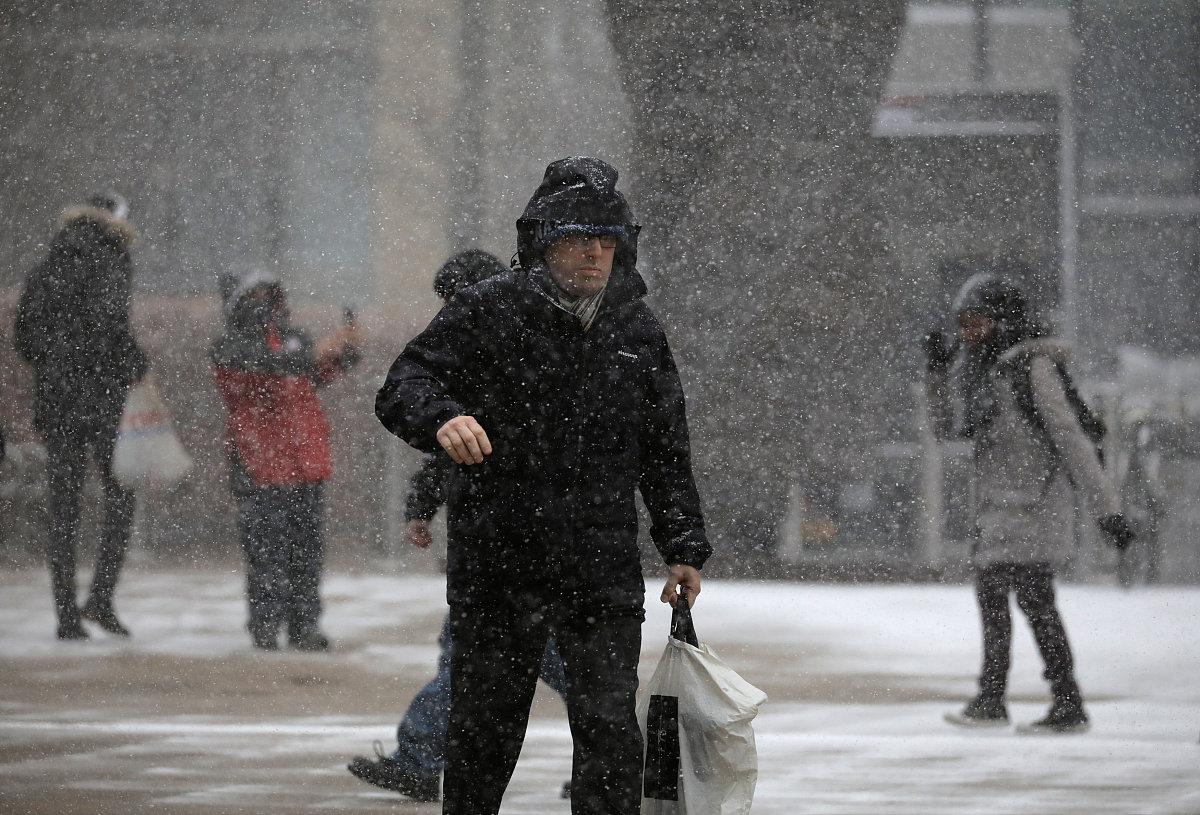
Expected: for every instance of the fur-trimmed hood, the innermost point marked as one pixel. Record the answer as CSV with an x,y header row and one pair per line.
x,y
101,219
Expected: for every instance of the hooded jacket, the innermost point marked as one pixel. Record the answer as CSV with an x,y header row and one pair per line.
x,y
72,324
267,376
578,421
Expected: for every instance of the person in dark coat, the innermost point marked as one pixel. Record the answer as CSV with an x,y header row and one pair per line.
x,y
1031,458
553,390
414,768
72,326
267,371
427,487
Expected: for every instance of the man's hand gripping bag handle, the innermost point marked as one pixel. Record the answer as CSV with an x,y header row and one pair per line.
x,y
682,627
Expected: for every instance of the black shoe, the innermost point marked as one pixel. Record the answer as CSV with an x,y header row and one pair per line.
x,y
1062,718
102,614
315,641
264,641
71,630
382,771
980,712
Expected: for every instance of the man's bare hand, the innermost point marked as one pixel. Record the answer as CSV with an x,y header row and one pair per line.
x,y
681,578
464,440
418,534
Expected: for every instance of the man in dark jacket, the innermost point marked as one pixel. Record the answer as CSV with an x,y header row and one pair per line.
x,y
414,768
553,390
73,327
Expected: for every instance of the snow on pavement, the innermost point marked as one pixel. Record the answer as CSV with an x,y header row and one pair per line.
x,y
186,718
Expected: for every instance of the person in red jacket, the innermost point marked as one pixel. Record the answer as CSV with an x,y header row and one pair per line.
x,y
267,372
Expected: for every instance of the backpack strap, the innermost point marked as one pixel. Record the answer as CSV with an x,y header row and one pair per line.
x,y
1089,422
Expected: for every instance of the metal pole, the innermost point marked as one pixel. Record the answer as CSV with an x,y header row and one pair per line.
x,y
1068,214
982,72
466,228
932,501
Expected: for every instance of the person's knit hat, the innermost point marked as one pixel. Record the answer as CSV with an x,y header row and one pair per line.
x,y
112,202
990,296
577,194
233,288
465,269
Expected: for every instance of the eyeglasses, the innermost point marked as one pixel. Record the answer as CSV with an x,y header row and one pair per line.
x,y
580,240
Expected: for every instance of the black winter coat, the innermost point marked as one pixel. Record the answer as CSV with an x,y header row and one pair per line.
x,y
577,422
427,487
73,327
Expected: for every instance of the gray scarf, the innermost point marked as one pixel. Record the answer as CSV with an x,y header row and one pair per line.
x,y
585,308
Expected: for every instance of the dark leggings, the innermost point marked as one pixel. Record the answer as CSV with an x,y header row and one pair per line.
x,y
66,469
1033,585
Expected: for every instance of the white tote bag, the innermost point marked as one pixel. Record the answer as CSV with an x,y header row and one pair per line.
x,y
696,716
147,453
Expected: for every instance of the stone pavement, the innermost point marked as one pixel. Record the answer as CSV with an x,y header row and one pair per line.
x,y
186,718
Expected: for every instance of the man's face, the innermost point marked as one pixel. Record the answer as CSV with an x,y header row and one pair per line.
x,y
975,328
580,264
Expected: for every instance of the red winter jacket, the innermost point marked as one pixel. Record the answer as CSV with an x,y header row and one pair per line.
x,y
276,426
267,378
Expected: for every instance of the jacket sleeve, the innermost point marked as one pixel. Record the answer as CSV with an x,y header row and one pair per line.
x,y
1078,454
427,488
667,484
112,304
940,401
29,328
415,399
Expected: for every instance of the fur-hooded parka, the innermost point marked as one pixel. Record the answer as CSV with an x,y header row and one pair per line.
x,y
73,327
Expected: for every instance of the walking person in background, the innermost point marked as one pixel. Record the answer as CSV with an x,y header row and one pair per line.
x,y
72,326
414,768
267,371
1029,449
554,391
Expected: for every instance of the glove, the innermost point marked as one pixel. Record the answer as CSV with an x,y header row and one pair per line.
x,y
938,354
1117,528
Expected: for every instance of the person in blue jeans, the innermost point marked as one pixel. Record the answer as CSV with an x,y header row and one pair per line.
x,y
414,768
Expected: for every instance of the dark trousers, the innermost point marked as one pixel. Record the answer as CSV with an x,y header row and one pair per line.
x,y
495,656
421,734
1034,588
67,456
285,549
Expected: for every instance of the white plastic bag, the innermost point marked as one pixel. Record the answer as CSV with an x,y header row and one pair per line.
x,y
147,453
696,716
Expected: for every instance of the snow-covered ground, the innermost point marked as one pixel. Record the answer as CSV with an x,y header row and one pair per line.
x,y
186,718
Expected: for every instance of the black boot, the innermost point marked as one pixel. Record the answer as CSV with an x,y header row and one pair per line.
x,y
982,711
382,771
62,584
264,638
309,641
102,614
69,626
1063,717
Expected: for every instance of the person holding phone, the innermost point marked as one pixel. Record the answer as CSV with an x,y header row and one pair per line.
x,y
267,371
